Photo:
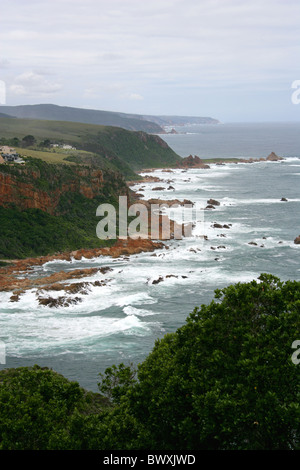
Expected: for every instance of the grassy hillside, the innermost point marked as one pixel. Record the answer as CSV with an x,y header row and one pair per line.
x,y
112,147
27,225
72,225
90,116
138,122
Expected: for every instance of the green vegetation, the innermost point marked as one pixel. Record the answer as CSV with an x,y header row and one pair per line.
x,y
34,232
111,147
117,152
223,381
41,409
138,149
91,116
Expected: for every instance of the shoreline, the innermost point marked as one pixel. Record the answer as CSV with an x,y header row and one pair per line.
x,y
9,273
9,281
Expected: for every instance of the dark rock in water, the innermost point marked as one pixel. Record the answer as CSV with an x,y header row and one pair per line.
x,y
158,188
273,157
14,298
226,226
284,199
156,281
213,202
59,302
215,225
252,243
210,206
105,269
297,240
171,187
192,162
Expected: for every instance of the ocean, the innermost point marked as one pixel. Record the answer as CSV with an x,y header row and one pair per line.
x,y
120,322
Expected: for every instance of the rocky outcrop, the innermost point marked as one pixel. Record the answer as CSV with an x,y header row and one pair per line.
x,y
23,188
273,157
169,202
213,202
9,275
297,240
192,162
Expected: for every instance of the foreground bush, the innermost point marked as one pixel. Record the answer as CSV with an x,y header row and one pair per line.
x,y
224,380
40,410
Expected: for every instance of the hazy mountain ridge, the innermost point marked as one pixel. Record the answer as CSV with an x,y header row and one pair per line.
x,y
136,122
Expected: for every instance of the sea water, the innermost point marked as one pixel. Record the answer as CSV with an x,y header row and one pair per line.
x,y
121,321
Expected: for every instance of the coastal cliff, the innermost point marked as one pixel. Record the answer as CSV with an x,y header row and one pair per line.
x,y
23,188
47,208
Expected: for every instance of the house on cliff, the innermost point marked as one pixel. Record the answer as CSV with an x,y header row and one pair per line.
x,y
9,155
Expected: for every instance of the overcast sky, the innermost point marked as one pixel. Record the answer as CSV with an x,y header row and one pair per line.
x,y
234,60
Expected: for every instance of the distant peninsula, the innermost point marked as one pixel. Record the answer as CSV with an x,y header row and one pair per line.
x,y
132,122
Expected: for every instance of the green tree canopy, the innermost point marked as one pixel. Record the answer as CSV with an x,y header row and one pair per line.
x,y
42,410
225,380
28,140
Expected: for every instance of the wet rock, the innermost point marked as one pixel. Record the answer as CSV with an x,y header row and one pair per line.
x,y
59,302
157,281
284,199
192,162
215,225
297,240
213,202
273,157
252,243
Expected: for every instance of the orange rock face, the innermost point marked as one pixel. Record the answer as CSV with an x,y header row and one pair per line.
x,y
26,195
9,275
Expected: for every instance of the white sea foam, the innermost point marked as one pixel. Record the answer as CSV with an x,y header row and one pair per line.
x,y
138,312
190,270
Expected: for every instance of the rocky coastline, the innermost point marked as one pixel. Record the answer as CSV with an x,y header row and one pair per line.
x,y
15,275
10,280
